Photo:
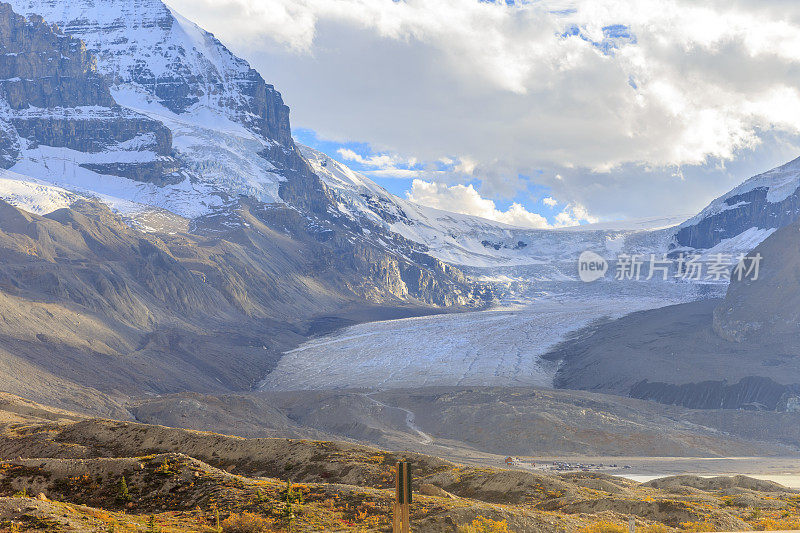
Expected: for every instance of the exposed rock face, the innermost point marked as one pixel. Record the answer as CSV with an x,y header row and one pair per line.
x,y
767,308
751,393
143,42
54,96
44,68
362,266
765,202
161,171
748,210
92,130
9,145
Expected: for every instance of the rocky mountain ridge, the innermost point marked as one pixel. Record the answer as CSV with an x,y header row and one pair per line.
x,y
232,137
104,293
733,224
228,86
230,129
749,213
53,95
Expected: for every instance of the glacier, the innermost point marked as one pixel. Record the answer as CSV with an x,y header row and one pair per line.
x,y
226,124
498,347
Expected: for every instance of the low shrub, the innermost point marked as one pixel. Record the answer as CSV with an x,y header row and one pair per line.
x,y
606,527
247,523
485,525
698,526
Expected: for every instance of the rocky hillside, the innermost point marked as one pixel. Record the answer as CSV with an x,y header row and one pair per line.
x,y
92,304
675,356
736,353
62,471
463,423
182,245
767,308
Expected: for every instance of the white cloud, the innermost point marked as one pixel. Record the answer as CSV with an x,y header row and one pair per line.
x,y
510,91
399,173
465,199
549,201
388,165
573,215
382,161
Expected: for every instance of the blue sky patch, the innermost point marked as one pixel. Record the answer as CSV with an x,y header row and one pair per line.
x,y
615,37
530,198
395,185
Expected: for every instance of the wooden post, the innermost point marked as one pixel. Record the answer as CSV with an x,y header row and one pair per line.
x,y
632,524
402,500
407,497
396,510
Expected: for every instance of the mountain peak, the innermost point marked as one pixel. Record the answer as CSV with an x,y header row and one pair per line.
x,y
144,46
755,208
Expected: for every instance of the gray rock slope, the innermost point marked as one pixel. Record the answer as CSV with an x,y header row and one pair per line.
x,y
51,94
89,300
748,213
766,309
739,352
93,309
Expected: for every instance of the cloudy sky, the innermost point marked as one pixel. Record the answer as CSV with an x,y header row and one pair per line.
x,y
540,113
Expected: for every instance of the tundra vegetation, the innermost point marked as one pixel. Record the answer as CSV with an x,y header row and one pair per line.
x,y
88,474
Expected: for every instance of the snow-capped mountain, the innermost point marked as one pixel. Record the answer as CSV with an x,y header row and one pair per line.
x,y
732,224
59,117
230,137
249,240
229,249
157,116
473,241
746,215
204,129
227,125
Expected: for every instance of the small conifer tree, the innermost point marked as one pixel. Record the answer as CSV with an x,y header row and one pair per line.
x,y
123,495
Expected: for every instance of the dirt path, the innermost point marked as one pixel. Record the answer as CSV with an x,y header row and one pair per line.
x,y
424,438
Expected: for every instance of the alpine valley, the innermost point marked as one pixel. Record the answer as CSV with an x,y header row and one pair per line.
x,y
169,254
